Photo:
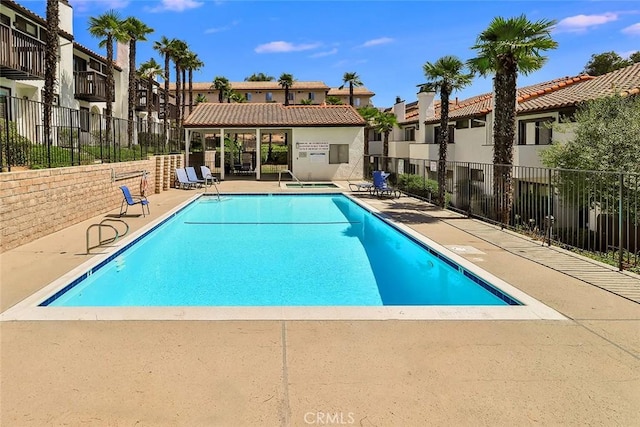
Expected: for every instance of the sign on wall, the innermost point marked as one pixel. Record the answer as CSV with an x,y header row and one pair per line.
x,y
312,146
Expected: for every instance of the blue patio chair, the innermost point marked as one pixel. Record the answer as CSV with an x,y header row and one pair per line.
x,y
361,186
381,186
130,200
182,181
208,177
192,177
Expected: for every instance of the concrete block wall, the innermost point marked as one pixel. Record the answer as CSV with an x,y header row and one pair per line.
x,y
34,203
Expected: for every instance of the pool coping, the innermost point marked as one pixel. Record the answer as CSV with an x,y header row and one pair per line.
x,y
29,309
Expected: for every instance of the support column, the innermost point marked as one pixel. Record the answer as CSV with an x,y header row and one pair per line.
x,y
187,143
258,153
222,154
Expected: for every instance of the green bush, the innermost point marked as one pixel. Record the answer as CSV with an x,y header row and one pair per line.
x,y
16,149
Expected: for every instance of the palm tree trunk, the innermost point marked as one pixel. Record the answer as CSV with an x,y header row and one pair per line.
x,y
109,93
178,94
385,151
50,69
504,132
166,99
190,90
184,95
444,141
132,90
351,93
286,96
149,105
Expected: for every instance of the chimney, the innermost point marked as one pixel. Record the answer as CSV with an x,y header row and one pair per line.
x,y
425,111
65,14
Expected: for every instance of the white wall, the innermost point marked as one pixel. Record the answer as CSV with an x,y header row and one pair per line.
x,y
313,165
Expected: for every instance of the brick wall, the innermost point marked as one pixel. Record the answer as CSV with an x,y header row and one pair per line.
x,y
35,203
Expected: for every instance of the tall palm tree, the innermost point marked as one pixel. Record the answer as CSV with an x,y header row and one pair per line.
x,y
178,50
109,28
445,75
259,77
192,63
50,64
286,81
137,31
508,47
222,85
353,79
149,71
383,123
164,47
200,98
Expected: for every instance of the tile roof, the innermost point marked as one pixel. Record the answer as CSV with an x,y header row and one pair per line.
x,y
213,115
204,86
32,15
553,94
361,91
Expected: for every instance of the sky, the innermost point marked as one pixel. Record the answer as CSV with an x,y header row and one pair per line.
x,y
385,42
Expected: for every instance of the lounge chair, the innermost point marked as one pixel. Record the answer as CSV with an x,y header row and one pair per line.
x,y
192,177
381,186
361,186
208,177
130,200
182,181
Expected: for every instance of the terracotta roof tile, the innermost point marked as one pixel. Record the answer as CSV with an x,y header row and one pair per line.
x,y
554,94
272,115
204,86
360,91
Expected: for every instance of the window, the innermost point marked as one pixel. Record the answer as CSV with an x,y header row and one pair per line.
x,y
477,175
5,102
56,97
462,124
247,96
79,64
535,132
356,102
338,153
291,95
26,26
268,96
94,65
312,96
410,134
436,134
4,19
478,123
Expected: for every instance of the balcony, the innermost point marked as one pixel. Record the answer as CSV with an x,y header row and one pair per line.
x,y
21,56
173,112
91,86
141,98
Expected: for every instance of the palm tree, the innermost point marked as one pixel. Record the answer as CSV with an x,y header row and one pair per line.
x,y
505,48
109,28
50,63
384,122
333,100
354,81
235,96
164,47
222,85
137,31
368,113
286,81
178,50
149,71
445,75
200,98
259,77
192,63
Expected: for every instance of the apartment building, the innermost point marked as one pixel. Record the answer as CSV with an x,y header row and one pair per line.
x,y
311,92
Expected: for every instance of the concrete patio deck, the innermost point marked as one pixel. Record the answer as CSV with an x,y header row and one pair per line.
x,y
580,371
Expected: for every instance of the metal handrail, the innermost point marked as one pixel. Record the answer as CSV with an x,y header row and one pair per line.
x,y
292,176
102,224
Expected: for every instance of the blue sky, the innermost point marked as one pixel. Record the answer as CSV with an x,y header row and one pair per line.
x,y
385,42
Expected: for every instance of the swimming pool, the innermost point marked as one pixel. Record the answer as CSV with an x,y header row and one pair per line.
x,y
277,256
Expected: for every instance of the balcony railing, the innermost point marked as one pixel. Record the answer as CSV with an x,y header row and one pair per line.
x,y
21,56
91,86
141,100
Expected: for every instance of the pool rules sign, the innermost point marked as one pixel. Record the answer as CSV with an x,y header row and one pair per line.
x,y
316,151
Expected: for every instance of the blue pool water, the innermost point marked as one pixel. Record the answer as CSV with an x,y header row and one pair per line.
x,y
278,250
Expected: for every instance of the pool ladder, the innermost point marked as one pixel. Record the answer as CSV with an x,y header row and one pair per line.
x,y
292,176
102,224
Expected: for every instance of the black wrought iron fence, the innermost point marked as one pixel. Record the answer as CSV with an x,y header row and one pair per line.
x,y
75,137
597,212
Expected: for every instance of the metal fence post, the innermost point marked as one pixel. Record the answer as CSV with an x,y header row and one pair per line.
x,y
620,234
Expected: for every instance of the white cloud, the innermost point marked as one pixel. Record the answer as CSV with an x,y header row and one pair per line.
x,y
326,53
176,5
632,30
377,42
221,29
582,23
282,46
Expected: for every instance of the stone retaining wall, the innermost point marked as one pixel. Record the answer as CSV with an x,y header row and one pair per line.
x,y
34,203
